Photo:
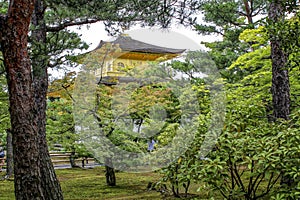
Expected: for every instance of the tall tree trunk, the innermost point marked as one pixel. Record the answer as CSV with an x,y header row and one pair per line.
x,y
109,173
280,77
50,184
9,155
248,10
14,35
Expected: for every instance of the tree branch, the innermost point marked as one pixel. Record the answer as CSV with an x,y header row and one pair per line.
x,y
71,128
69,94
71,23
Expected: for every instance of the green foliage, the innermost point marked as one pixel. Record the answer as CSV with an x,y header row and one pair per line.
x,y
183,171
3,7
58,48
60,123
226,51
151,113
229,19
150,100
248,161
228,15
252,154
4,113
117,128
61,43
123,13
255,37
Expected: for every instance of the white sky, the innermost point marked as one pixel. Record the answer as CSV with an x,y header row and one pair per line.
x,y
177,37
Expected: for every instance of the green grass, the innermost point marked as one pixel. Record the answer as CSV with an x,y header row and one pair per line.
x,y
90,184
87,184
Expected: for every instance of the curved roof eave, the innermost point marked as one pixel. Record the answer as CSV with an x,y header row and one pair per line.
x,y
126,43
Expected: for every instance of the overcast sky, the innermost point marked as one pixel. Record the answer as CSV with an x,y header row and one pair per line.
x,y
176,37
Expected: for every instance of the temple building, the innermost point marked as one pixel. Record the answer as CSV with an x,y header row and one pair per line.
x,y
124,53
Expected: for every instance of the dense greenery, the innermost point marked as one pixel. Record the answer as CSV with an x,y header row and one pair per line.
x,y
4,116
229,19
254,150
253,153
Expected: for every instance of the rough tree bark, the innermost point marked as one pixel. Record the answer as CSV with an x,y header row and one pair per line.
x,y
280,76
50,184
13,34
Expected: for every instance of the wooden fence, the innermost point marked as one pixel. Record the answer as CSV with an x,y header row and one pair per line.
x,y
63,160
70,159
2,163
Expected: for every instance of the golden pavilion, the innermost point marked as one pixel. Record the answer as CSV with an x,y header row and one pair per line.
x,y
124,53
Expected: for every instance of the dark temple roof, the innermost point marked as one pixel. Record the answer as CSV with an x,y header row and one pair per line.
x,y
126,43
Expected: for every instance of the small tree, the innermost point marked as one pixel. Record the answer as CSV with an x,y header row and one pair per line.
x,y
60,122
205,119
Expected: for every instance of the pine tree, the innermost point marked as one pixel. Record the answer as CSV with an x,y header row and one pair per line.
x,y
14,31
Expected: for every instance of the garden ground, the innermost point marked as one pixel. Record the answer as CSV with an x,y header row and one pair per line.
x,y
88,184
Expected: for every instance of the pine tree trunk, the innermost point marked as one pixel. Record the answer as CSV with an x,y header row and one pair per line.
x,y
280,77
9,155
50,184
14,31
110,173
